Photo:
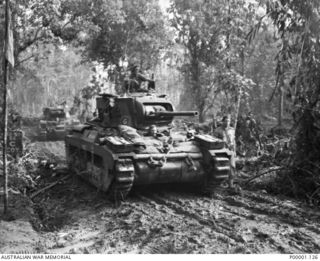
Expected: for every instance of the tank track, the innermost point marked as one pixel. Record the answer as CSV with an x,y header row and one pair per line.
x,y
123,180
218,173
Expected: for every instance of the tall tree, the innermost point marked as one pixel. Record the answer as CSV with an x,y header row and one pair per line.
x,y
106,31
213,34
8,59
116,31
139,35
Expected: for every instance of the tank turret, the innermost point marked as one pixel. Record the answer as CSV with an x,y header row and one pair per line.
x,y
137,111
53,114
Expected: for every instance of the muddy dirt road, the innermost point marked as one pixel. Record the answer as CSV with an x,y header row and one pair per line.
x,y
75,218
171,220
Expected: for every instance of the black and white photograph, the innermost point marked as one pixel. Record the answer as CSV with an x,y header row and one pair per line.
x,y
159,127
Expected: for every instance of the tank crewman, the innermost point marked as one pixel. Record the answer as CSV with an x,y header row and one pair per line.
x,y
136,77
227,134
154,132
111,114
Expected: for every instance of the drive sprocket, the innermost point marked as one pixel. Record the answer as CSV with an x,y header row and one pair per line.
x,y
123,180
217,174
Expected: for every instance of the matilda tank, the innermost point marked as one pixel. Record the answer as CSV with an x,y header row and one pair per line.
x,y
54,124
133,141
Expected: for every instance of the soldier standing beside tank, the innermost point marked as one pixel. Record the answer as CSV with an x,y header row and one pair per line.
x,y
227,134
133,83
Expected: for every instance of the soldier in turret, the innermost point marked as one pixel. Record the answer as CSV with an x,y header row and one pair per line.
x,y
133,83
111,115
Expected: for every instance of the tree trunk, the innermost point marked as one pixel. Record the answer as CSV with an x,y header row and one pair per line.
x,y
228,60
201,112
5,110
196,87
4,138
280,112
240,91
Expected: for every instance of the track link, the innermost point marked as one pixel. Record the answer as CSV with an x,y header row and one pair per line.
x,y
217,175
123,180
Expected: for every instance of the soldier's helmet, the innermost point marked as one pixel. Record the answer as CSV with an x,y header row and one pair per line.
x,y
134,68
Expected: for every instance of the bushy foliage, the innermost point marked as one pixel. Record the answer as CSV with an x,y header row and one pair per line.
x,y
297,23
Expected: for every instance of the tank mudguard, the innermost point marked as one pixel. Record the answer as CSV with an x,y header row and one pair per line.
x,y
215,153
103,151
80,127
90,161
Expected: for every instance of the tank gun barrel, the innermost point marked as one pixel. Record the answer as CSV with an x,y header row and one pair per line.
x,y
175,113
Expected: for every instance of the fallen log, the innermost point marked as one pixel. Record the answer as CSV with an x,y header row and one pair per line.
x,y
10,190
263,173
48,187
